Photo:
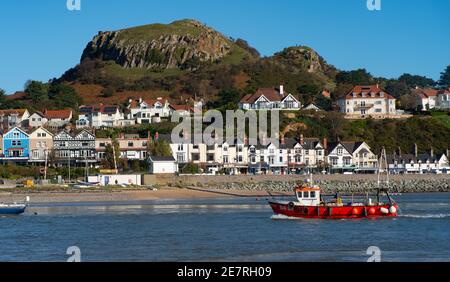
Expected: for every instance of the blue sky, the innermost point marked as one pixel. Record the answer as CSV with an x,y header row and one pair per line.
x,y
41,38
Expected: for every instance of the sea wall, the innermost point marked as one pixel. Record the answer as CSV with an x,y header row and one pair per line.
x,y
328,183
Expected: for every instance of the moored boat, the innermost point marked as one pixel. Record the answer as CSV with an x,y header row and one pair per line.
x,y
14,208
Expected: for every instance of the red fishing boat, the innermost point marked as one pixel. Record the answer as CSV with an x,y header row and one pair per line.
x,y
311,204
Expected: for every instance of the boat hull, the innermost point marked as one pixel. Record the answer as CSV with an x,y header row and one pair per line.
x,y
332,212
17,209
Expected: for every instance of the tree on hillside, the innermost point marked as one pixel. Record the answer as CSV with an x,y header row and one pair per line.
x,y
159,148
64,96
355,77
416,80
108,92
2,96
397,88
334,122
444,81
37,91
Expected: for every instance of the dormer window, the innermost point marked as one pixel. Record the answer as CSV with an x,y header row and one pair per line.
x,y
381,94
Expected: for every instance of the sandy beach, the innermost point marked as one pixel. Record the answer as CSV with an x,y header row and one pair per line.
x,y
125,195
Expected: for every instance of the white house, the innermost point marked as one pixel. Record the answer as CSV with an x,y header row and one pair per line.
x,y
367,101
443,99
12,118
350,156
162,165
311,107
148,111
36,120
269,99
425,98
414,162
98,116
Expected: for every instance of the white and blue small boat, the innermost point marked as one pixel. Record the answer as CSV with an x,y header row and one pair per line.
x,y
14,208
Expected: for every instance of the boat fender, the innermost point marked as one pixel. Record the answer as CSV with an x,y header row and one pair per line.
x,y
371,211
384,210
392,209
355,211
291,205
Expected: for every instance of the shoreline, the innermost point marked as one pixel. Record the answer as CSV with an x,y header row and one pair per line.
x,y
164,194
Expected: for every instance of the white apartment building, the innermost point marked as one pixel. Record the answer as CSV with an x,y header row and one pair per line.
x,y
98,116
367,101
418,163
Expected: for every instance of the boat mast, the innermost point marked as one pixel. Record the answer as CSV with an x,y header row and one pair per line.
x,y
383,167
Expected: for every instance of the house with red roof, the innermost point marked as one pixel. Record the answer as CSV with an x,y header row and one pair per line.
x,y
269,99
57,119
367,101
425,98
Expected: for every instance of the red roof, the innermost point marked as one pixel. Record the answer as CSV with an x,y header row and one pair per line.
x,y
445,91
18,112
370,91
271,94
182,108
55,114
135,102
425,93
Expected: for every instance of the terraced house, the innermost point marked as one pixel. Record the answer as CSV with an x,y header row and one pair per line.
x,y
41,145
76,150
16,145
348,156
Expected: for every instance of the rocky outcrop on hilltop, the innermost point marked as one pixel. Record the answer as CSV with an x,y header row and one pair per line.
x,y
183,44
303,58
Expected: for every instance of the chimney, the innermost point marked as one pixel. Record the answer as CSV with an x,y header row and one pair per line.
x,y
431,152
281,90
302,141
415,150
325,143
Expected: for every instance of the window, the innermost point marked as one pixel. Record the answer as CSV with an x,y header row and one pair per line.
x,y
312,194
225,159
281,159
195,157
271,161
239,149
240,159
305,194
130,144
299,195
225,149
180,147
102,145
340,151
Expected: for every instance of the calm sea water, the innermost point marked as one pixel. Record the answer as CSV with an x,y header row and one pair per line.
x,y
222,230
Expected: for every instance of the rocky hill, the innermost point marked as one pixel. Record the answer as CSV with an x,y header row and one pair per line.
x,y
184,44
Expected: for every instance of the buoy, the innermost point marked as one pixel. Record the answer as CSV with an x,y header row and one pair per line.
x,y
384,210
392,209
371,211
